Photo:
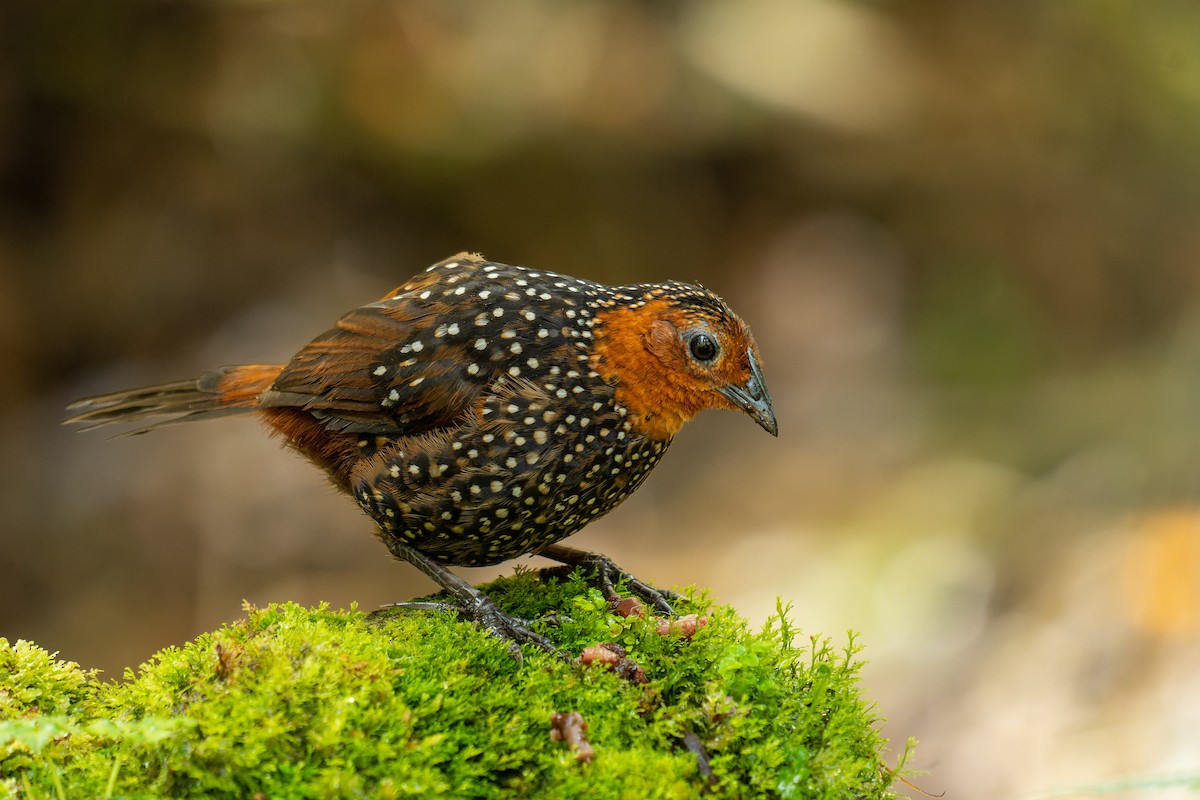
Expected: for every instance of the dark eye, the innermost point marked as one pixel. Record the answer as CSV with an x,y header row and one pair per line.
x,y
703,347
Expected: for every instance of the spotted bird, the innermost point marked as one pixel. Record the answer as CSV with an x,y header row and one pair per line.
x,y
483,411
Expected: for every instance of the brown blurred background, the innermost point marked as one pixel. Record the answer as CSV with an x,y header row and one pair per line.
x,y
966,234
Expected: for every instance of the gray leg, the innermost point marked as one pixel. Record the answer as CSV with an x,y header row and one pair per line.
x,y
471,603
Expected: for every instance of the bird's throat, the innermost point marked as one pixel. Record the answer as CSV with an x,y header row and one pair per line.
x,y
624,357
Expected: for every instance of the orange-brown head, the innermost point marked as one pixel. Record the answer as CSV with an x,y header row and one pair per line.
x,y
675,350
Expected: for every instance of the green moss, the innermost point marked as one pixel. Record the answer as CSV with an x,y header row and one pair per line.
x,y
295,702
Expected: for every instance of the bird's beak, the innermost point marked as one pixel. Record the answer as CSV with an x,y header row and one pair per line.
x,y
753,398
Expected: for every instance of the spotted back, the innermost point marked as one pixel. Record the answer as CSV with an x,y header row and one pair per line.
x,y
417,359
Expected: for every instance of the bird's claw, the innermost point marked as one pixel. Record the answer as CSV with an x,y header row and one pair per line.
x,y
514,631
506,627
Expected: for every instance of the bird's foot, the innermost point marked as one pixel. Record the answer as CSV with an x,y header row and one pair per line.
x,y
470,603
484,612
608,575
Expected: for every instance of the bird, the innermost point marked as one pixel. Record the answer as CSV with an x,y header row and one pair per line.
x,y
482,411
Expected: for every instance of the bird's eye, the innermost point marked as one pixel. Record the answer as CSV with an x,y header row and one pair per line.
x,y
703,347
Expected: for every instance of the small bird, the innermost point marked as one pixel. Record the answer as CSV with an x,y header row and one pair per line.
x,y
483,411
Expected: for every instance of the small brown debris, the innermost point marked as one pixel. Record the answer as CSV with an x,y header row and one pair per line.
x,y
572,728
606,655
227,659
612,655
685,626
628,607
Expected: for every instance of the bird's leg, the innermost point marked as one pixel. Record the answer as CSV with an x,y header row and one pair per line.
x,y
471,603
609,574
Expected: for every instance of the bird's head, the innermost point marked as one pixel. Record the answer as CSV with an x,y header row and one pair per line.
x,y
677,350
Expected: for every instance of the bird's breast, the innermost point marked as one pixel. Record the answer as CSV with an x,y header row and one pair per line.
x,y
525,471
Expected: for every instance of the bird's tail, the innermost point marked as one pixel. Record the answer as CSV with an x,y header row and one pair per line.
x,y
231,390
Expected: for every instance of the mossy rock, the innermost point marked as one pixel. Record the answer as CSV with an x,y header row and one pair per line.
x,y
296,702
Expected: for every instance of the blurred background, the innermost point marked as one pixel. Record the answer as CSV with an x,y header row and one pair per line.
x,y
967,236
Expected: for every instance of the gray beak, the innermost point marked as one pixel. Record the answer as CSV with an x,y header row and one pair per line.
x,y
753,398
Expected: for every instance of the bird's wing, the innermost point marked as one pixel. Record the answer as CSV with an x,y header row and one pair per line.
x,y
393,367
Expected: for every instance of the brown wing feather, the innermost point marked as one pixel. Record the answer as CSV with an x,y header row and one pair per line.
x,y
387,368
